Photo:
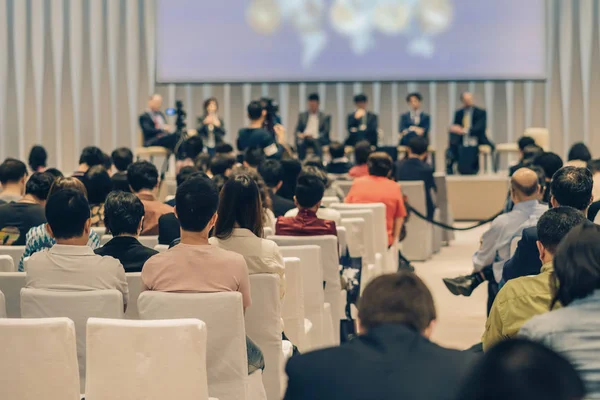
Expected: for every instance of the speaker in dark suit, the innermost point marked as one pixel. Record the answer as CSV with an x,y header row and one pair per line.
x,y
312,130
362,124
414,122
154,125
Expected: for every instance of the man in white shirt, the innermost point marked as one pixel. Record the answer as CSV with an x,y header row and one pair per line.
x,y
71,265
313,128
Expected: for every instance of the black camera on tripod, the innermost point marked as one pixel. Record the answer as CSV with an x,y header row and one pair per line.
x,y
180,123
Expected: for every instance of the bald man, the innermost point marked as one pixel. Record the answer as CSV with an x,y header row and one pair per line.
x,y
468,129
488,261
154,125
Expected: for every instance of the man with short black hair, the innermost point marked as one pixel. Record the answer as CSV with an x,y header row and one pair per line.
x,y
362,124
523,143
124,218
224,149
550,163
122,158
392,358
339,164
13,174
143,180
71,265
90,157
272,173
313,128
222,165
17,218
414,122
255,136
253,157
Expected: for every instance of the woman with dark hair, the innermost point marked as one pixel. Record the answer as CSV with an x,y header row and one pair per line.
x,y
579,155
267,205
573,330
38,158
239,228
98,185
211,128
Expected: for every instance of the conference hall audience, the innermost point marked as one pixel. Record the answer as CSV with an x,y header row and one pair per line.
x,y
38,238
123,218
70,264
339,164
13,175
579,156
38,159
522,298
312,130
194,265
572,330
144,182
415,122
362,124
362,151
392,356
571,187
211,128
90,157
98,185
272,173
415,168
222,165
239,228
122,158
519,369
291,171
17,218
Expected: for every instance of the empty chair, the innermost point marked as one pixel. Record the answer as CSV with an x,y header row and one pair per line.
x,y
149,241
78,306
16,252
263,326
418,243
11,284
2,305
134,283
150,360
161,248
6,263
39,359
292,309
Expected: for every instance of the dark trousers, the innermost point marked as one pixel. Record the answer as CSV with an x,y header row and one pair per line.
x,y
168,141
451,158
309,143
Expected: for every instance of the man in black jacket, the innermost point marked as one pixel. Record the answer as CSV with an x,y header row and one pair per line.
x,y
392,358
362,124
272,173
313,128
154,125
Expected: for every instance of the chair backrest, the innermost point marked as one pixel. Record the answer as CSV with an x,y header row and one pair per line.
x,y
292,309
100,230
105,239
418,244
226,356
11,284
263,326
151,360
78,306
345,186
161,247
342,236
134,283
267,231
328,200
6,263
16,252
356,235
149,241
2,305
369,218
540,135
39,359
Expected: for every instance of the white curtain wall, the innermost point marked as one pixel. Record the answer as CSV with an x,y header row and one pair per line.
x,y
77,72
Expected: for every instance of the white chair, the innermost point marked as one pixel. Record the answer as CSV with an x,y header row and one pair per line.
x,y
100,230
38,359
345,186
267,231
134,283
6,263
2,305
342,236
16,252
150,360
540,135
105,239
513,245
226,356
371,242
329,200
263,327
149,241
161,247
358,236
78,306
292,309
418,242
11,284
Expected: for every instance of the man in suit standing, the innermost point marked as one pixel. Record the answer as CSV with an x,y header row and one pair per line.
x,y
313,128
392,358
362,124
154,125
468,129
414,122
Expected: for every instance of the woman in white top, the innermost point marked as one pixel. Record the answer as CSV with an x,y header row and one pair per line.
x,y
239,228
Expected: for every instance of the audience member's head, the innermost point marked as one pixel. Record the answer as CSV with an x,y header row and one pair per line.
x,y
122,158
524,186
155,102
525,141
68,216
142,175
256,111
313,103
64,183
191,147
291,170
541,181
219,181
211,105
123,214
337,150
318,172
314,161
38,158
272,173
579,151
98,184
594,166
224,149
309,192
202,162
185,173
38,186
577,264
360,101
253,157
414,100
197,200
222,165
13,173
572,187
417,147
239,207
553,226
380,164
400,298
262,186
519,369
91,156
362,151
466,98
530,153
107,163
550,163
54,172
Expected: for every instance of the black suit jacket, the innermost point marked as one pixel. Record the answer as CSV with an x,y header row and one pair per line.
x,y
132,254
406,122
169,229
324,127
356,134
149,129
389,362
413,169
120,182
526,260
219,132
478,126
281,205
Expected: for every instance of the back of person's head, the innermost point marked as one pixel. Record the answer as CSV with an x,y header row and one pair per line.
x,y
255,110
67,183
254,156
122,158
107,162
68,214
98,184
12,171
362,151
309,190
524,184
360,98
313,97
530,152
197,200
123,213
91,156
550,163
525,141
555,224
579,151
239,207
142,175
337,150
519,369
416,95
39,185
185,173
418,145
191,147
202,161
272,172
380,164
219,181
291,169
577,264
54,172
572,186
400,298
541,177
223,148
220,164
318,172
38,158
594,166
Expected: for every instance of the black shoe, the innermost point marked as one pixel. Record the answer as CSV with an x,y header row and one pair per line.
x,y
463,285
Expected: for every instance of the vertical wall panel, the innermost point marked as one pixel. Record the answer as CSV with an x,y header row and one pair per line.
x,y
433,111
394,104
302,96
57,17
586,30
550,44
529,94
322,93
38,41
133,56
3,75
76,55
489,105
96,47
284,109
20,55
149,24
227,112
510,110
113,31
341,117
565,64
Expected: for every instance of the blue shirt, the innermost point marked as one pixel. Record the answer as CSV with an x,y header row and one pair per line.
x,y
495,243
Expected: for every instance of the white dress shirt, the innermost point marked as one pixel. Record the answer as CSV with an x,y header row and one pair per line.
x,y
312,125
